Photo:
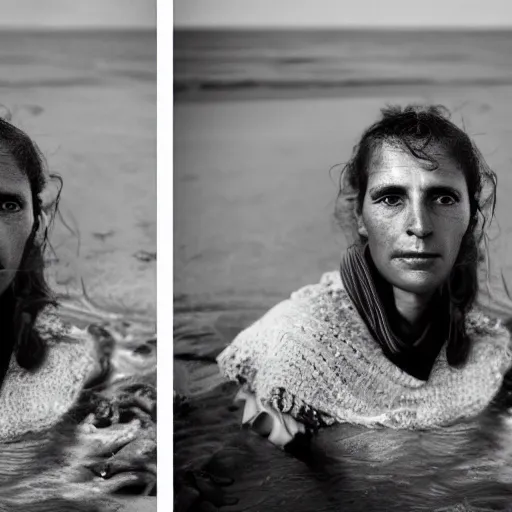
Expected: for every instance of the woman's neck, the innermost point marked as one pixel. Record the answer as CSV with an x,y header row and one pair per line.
x,y
411,308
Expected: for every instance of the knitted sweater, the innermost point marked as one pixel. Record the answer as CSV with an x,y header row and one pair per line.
x,y
313,358
36,401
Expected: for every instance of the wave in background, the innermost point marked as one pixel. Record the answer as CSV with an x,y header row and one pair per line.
x,y
76,58
300,60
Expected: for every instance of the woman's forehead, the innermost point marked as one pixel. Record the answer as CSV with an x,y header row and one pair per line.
x,y
11,176
394,163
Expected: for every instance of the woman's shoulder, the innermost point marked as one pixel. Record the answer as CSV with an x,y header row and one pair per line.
x,y
318,302
53,329
67,345
480,321
491,339
307,312
34,400
328,288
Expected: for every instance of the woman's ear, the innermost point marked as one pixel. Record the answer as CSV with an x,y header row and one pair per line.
x,y
361,227
41,228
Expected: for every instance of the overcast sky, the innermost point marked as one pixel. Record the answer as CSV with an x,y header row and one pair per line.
x,y
373,13
78,13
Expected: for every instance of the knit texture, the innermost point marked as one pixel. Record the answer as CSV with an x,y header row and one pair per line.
x,y
313,357
31,401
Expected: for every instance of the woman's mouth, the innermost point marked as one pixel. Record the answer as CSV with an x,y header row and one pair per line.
x,y
417,255
417,260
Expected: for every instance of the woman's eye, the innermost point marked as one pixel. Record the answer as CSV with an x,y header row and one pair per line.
x,y
446,200
391,200
10,206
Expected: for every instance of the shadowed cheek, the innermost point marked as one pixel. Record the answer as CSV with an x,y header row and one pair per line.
x,y
14,236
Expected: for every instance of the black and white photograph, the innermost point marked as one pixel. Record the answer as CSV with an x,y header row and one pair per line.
x,y
78,255
342,278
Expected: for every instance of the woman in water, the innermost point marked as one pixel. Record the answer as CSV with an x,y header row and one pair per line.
x,y
44,365
393,338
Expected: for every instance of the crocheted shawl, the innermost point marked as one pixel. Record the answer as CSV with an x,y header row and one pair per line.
x,y
313,357
32,401
80,430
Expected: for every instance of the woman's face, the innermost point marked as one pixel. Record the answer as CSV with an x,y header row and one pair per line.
x,y
414,219
16,217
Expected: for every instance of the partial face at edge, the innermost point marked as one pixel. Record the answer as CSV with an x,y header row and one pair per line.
x,y
410,209
16,217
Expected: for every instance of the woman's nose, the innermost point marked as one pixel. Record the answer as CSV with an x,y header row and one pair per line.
x,y
419,223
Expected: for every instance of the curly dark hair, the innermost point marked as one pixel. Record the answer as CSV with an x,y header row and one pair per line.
x,y
419,130
29,293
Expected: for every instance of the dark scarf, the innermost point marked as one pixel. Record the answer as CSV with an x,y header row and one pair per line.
x,y
8,336
373,298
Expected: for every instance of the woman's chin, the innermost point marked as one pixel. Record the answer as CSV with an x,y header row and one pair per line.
x,y
419,282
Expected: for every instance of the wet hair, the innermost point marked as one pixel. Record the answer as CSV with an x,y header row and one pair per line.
x,y
29,293
423,131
